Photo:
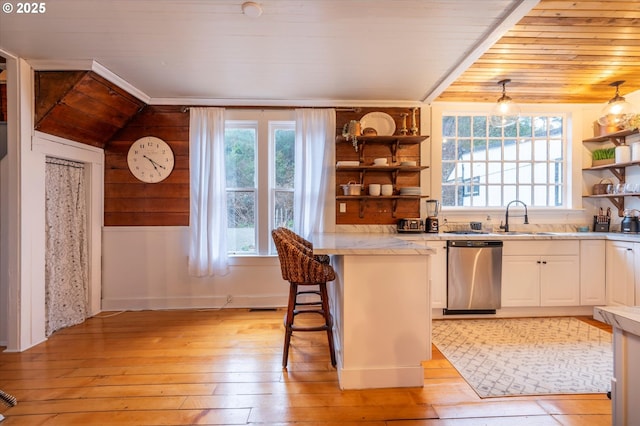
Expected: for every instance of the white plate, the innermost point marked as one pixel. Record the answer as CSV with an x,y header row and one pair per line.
x,y
348,163
381,121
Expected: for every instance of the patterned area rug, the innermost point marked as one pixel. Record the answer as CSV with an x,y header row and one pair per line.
x,y
527,356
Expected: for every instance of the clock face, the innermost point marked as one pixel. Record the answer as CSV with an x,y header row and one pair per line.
x,y
150,159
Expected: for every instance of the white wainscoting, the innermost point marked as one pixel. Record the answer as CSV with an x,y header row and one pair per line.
x,y
146,268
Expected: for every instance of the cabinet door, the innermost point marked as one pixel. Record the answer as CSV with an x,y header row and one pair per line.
x,y
620,273
438,273
560,281
520,281
592,273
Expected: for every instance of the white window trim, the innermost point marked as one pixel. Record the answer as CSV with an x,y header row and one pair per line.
x,y
264,157
577,130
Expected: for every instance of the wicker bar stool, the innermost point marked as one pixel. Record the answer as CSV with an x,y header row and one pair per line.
x,y
307,247
302,270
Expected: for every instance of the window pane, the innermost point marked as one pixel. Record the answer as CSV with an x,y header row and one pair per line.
x,y
540,150
495,173
283,214
448,126
524,125
510,173
488,166
241,222
524,173
480,126
524,150
449,149
285,157
495,149
464,126
240,157
540,175
510,150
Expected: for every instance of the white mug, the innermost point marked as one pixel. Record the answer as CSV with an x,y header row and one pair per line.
x,y
387,189
374,189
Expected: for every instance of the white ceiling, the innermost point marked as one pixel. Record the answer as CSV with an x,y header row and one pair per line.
x,y
318,51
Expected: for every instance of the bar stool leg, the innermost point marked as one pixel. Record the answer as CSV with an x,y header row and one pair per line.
x,y
288,322
328,321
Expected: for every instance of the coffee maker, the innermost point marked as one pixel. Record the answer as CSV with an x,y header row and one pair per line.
x,y
431,222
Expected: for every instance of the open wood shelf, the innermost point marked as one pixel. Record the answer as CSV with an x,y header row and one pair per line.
x,y
617,169
617,138
363,199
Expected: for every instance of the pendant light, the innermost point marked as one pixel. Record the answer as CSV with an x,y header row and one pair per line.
x,y
617,110
506,112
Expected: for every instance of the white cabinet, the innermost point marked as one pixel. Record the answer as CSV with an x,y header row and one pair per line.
x,y
592,273
620,274
520,281
438,273
541,273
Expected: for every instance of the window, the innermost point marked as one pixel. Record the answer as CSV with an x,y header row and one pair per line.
x,y
484,166
259,162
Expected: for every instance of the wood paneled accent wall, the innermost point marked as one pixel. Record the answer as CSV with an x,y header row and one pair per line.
x,y
81,106
129,202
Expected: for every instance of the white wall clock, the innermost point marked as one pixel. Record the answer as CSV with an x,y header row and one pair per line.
x,y
150,159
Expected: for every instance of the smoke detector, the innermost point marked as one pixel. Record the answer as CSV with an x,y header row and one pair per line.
x,y
251,9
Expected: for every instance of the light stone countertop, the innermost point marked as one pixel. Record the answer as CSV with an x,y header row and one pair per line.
x,y
365,244
413,243
519,235
626,318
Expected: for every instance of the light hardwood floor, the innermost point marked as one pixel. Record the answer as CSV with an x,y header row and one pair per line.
x,y
224,367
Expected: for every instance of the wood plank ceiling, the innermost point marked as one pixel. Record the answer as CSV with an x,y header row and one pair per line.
x,y
560,52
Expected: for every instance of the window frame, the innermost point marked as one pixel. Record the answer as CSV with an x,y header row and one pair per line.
x,y
265,170
516,143
576,131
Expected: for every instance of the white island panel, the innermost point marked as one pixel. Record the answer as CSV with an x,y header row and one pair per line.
x,y
625,384
381,309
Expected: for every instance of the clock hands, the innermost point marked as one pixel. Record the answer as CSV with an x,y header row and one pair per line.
x,y
154,164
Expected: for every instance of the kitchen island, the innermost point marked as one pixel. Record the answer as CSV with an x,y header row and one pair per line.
x,y
625,384
381,309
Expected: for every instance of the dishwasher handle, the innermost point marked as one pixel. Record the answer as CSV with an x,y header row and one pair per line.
x,y
474,243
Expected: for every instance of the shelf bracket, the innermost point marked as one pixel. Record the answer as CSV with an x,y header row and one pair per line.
x,y
361,145
394,151
618,172
618,202
362,206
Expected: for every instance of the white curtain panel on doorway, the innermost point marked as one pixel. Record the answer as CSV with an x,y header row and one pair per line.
x,y
66,263
208,206
315,153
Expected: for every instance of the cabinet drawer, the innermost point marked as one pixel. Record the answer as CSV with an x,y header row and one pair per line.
x,y
541,247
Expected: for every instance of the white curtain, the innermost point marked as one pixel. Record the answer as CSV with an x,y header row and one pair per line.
x,y
66,261
208,209
315,153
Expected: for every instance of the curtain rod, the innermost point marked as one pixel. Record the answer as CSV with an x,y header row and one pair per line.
x,y
354,109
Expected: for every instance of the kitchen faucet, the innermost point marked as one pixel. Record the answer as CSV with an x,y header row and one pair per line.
x,y
506,216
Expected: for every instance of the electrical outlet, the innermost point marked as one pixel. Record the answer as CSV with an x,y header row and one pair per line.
x,y
343,207
229,298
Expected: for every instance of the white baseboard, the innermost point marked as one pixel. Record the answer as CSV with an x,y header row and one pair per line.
x,y
214,302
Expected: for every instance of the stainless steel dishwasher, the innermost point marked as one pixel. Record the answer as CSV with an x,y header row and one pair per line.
x,y
474,277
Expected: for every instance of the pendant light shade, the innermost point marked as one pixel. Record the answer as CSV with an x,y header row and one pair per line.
x,y
617,110
506,112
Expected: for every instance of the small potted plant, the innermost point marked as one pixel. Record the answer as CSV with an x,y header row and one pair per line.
x,y
603,156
